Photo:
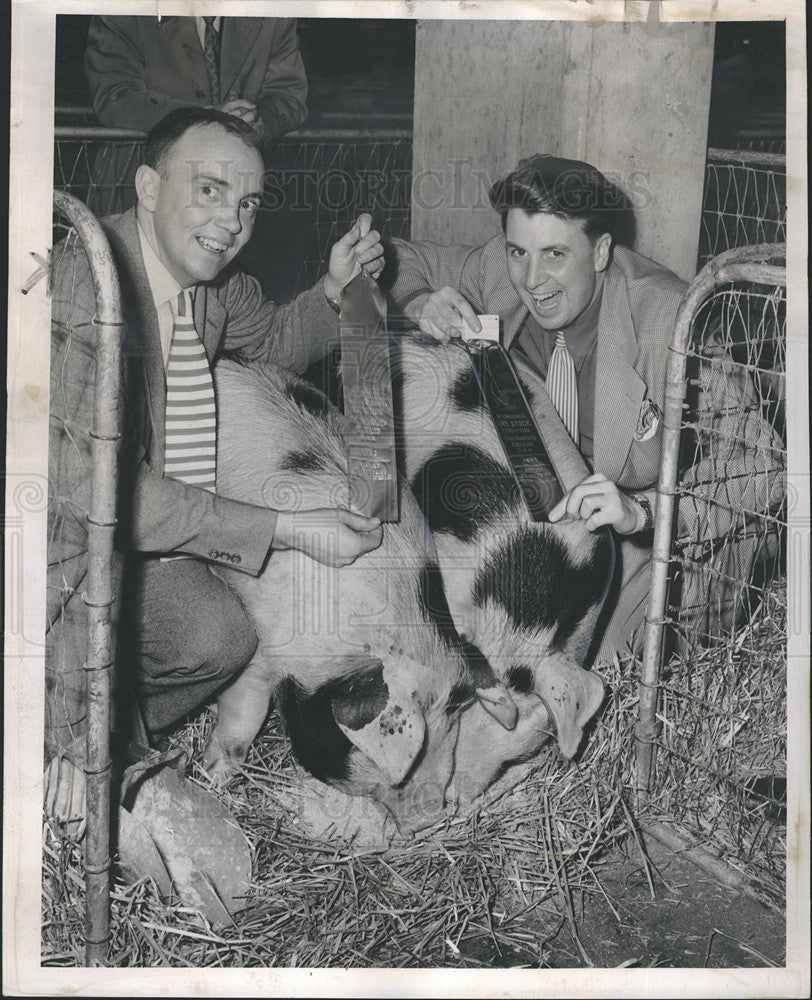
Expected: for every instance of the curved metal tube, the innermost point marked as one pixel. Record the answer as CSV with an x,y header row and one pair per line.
x,y
99,594
739,264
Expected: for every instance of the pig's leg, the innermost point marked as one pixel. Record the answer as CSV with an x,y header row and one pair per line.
x,y
242,708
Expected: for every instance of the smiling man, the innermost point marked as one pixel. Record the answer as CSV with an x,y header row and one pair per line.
x,y
182,632
594,319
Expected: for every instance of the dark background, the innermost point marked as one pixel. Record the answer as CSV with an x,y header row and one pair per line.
x,y
354,68
364,70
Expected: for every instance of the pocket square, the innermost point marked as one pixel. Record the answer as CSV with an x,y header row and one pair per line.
x,y
648,421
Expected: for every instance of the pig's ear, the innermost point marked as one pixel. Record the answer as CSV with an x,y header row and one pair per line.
x,y
385,724
572,696
497,702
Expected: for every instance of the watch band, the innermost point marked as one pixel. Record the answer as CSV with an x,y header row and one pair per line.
x,y
648,523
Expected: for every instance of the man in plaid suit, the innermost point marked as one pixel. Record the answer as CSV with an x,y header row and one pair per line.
x,y
555,269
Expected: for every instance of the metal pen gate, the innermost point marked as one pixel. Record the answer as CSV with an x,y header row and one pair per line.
x,y
101,440
712,691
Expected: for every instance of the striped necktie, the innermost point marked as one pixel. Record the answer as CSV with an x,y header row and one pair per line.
x,y
211,54
191,415
562,387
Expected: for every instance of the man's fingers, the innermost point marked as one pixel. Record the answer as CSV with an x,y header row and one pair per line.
x,y
359,522
598,519
464,308
433,330
572,504
369,255
359,229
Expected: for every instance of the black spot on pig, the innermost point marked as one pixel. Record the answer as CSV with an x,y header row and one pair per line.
x,y
477,665
317,742
434,604
461,694
303,461
464,393
520,678
311,718
308,398
460,489
536,580
435,608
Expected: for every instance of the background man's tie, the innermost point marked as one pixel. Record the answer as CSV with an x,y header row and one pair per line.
x,y
562,387
211,53
191,416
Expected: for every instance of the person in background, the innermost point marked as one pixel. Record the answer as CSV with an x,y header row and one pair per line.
x,y
140,68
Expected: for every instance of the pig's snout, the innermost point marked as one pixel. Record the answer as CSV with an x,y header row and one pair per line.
x,y
415,807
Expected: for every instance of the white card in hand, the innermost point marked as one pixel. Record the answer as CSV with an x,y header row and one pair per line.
x,y
489,331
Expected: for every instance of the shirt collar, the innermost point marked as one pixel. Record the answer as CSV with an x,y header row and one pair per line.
x,y
201,28
582,335
163,286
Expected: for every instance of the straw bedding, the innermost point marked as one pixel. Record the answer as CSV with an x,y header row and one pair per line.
x,y
492,888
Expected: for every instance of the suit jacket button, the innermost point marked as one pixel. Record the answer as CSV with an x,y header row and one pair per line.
x,y
200,93
153,100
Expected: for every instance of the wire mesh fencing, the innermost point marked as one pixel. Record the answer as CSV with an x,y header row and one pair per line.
x,y
744,201
317,183
717,612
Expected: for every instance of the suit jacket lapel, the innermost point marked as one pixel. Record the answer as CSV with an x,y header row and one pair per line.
x,y
179,35
210,318
238,37
144,337
619,390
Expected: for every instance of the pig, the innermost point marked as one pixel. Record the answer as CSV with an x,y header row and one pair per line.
x,y
525,594
363,662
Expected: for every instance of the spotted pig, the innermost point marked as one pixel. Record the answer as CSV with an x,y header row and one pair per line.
x,y
363,662
524,594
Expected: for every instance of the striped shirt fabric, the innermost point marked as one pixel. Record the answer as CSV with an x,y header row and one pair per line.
x,y
562,387
191,414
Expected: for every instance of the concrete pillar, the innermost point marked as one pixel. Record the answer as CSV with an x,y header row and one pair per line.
x,y
630,100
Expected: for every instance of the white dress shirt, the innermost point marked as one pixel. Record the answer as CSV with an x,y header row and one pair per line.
x,y
164,290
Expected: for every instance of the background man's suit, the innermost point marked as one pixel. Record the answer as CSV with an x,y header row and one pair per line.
x,y
639,304
157,514
139,69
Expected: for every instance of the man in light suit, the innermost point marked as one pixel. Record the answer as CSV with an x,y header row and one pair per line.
x,y
141,68
555,270
183,632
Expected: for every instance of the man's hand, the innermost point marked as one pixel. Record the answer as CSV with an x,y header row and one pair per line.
x,y
333,537
597,501
240,108
360,248
65,796
442,314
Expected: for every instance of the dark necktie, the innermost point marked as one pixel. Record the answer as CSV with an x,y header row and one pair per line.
x,y
211,53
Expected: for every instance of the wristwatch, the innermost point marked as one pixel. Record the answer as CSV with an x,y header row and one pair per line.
x,y
648,523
